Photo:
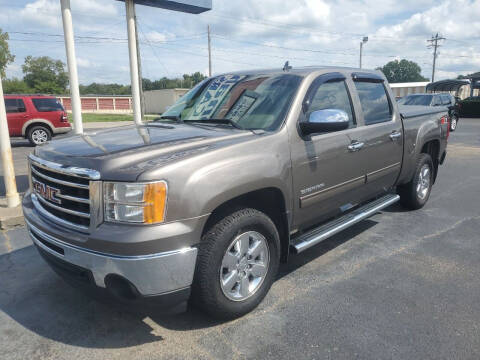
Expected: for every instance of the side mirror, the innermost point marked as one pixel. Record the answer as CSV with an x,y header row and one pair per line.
x,y
325,120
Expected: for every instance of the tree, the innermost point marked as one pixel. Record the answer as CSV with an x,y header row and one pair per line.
x,y
402,71
45,75
105,89
15,86
5,56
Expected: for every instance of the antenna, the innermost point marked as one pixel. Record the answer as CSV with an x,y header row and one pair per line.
x,y
287,66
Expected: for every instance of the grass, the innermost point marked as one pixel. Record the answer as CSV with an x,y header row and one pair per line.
x,y
92,117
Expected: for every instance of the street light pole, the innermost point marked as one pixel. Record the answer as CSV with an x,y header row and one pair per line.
x,y
132,50
209,52
13,199
364,40
72,65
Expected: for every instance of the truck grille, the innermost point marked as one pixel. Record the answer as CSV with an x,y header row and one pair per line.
x,y
64,194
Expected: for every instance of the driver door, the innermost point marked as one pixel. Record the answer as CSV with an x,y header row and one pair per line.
x,y
327,174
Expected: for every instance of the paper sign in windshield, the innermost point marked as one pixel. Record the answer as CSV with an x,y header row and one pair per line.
x,y
213,96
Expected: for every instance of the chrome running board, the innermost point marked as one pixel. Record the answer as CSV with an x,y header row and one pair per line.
x,y
317,235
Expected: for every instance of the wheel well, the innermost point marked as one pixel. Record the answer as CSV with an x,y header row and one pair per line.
x,y
433,149
267,200
38,124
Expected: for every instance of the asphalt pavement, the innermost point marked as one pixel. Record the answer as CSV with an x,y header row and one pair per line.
x,y
400,285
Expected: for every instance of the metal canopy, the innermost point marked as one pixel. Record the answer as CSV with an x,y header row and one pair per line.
x,y
447,85
188,6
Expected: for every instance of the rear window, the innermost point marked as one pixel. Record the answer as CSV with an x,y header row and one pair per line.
x,y
14,106
446,100
374,101
424,100
49,104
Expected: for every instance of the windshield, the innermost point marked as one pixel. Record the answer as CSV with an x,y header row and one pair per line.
x,y
248,101
424,100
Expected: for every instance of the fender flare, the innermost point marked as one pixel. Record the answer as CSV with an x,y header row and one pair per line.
x,y
39,121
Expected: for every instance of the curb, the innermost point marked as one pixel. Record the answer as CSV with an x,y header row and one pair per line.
x,y
10,217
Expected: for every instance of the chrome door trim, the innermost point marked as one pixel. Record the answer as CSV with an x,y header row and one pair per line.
x,y
321,195
374,175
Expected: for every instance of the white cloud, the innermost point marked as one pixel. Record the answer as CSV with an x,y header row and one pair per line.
x,y
42,12
330,31
82,62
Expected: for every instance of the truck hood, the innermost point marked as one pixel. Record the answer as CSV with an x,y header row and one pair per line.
x,y
124,152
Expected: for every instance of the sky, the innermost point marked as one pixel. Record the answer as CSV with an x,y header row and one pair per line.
x,y
248,34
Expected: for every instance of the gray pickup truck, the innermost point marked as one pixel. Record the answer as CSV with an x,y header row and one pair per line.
x,y
245,169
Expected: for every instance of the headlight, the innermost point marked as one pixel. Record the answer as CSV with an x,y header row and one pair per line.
x,y
135,202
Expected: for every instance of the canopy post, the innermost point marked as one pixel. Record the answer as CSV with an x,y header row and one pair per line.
x,y
132,50
13,199
72,66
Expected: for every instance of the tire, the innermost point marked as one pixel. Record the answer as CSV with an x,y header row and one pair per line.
x,y
222,271
38,135
453,123
414,195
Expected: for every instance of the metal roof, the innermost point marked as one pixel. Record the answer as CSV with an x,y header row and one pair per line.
x,y
447,85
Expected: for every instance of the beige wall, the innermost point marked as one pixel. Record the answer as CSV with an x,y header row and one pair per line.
x,y
157,101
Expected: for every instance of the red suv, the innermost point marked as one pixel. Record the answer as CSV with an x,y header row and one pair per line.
x,y
35,117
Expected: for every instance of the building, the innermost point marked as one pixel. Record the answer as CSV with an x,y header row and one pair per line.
x,y
100,104
402,89
157,101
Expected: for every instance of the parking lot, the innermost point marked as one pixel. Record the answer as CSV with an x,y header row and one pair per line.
x,y
400,285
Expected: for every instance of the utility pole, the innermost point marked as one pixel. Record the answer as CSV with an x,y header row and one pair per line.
x,y
13,199
434,44
139,59
209,52
364,41
72,66
132,52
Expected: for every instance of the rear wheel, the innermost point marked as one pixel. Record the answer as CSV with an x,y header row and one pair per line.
x,y
237,264
38,135
415,194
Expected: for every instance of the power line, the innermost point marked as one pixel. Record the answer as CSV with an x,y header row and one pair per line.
x,y
190,37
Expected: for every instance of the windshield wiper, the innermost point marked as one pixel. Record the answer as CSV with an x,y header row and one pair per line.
x,y
218,121
171,117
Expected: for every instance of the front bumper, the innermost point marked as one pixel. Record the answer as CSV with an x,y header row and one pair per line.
x,y
147,275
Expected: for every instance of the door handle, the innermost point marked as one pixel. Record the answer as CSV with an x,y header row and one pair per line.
x,y
395,135
355,146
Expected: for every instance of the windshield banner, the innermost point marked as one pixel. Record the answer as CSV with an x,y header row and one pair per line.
x,y
213,96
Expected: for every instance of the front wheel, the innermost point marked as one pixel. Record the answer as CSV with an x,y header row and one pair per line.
x,y
237,264
414,195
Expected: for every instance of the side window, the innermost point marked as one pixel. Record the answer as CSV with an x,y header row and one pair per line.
x,y
375,105
332,95
47,104
21,106
11,106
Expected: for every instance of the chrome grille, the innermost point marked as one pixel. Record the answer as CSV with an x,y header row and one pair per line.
x,y
66,195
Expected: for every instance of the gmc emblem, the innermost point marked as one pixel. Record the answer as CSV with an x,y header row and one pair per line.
x,y
46,192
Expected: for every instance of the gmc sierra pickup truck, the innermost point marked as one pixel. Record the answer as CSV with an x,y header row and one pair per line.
x,y
245,169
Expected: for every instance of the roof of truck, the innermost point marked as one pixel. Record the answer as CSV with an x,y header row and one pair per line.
x,y
303,71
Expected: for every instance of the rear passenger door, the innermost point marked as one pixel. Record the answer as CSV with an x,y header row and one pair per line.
x,y
381,135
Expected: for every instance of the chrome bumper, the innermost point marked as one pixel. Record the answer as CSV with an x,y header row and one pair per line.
x,y
151,274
